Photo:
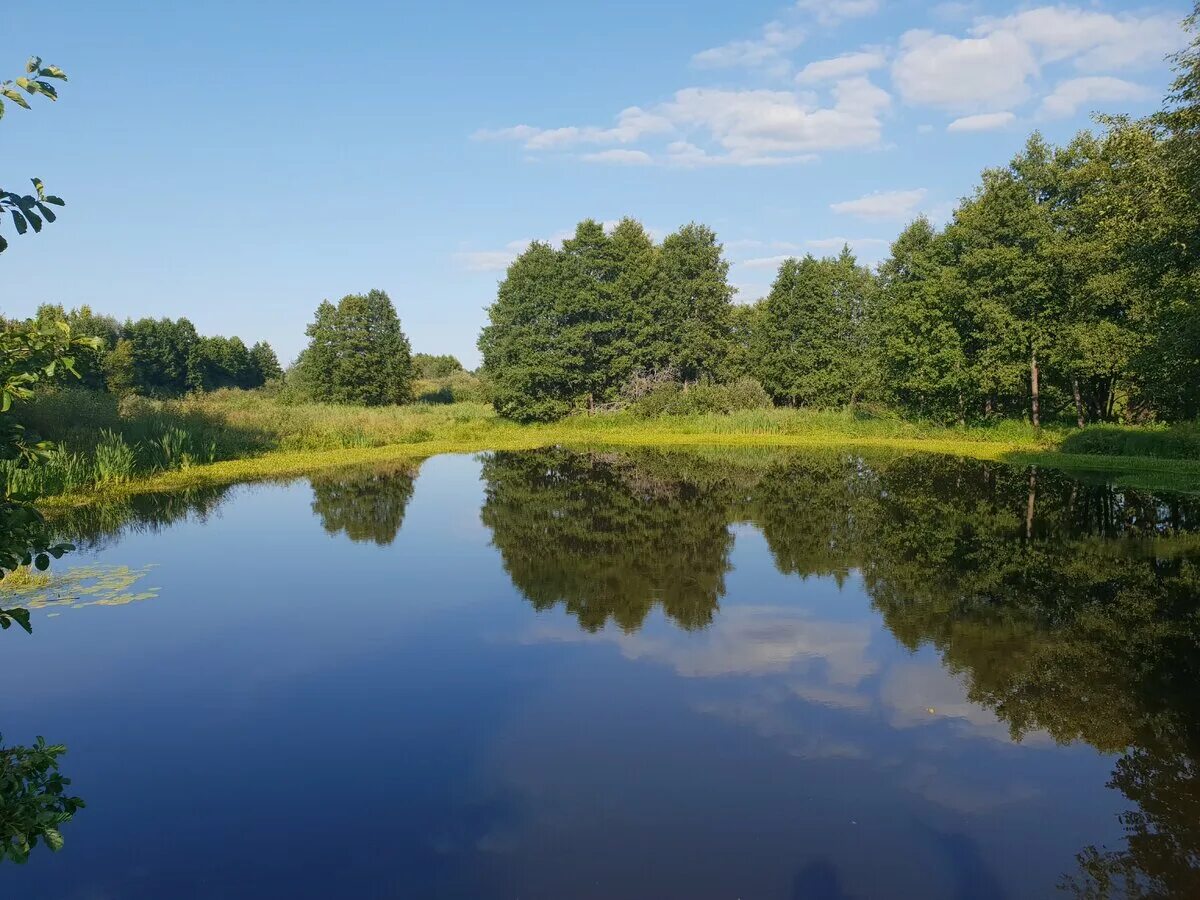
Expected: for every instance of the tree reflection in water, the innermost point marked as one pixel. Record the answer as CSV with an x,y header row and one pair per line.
x,y
1066,607
366,503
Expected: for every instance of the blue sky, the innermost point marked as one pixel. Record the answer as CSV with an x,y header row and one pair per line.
x,y
239,162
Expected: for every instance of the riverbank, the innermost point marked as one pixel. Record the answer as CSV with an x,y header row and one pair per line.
x,y
273,440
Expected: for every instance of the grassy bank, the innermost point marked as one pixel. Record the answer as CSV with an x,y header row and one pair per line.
x,y
112,449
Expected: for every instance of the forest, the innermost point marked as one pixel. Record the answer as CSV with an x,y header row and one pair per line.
x,y
1065,287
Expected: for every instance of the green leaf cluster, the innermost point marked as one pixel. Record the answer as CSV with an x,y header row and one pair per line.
x,y
34,802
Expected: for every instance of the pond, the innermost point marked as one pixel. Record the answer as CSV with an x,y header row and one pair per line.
x,y
600,674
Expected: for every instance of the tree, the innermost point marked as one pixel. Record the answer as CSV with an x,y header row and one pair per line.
x,y
89,361
120,376
810,343
427,365
264,365
535,376
29,210
357,352
917,328
693,305
161,350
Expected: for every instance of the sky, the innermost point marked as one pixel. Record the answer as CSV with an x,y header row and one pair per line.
x,y
236,163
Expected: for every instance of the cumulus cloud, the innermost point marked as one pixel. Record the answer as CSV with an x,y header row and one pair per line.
x,y
757,124
831,12
1069,96
745,127
843,66
1095,40
882,205
768,52
963,74
982,122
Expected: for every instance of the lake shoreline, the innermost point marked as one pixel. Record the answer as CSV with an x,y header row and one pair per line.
x,y
1135,471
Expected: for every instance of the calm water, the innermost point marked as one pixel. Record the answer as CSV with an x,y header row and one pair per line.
x,y
560,675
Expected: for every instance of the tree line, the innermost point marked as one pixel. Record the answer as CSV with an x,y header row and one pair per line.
x,y
1066,286
157,357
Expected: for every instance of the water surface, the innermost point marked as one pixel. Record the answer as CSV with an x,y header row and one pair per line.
x,y
560,674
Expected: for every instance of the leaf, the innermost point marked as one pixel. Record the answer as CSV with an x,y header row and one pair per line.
x,y
47,89
53,72
39,187
30,87
54,839
22,227
41,562
3,244
47,212
35,63
55,201
15,97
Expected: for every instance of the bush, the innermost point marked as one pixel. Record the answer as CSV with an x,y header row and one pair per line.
x,y
1175,442
674,399
457,387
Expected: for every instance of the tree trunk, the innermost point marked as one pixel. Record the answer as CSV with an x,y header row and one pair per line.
x,y
987,407
1033,388
962,409
591,404
1030,504
1078,401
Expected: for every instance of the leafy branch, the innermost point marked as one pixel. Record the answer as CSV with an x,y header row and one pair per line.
x,y
29,210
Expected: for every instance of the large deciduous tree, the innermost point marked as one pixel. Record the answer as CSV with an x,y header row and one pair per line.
x,y
809,348
358,353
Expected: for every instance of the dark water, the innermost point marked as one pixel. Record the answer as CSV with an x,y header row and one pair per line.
x,y
600,675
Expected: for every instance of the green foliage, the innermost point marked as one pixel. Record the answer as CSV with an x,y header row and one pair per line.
x,y
672,398
428,366
570,326
357,353
809,343
1176,442
457,387
34,803
28,211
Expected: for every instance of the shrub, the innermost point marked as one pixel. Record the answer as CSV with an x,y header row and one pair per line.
x,y
457,387
670,398
1175,442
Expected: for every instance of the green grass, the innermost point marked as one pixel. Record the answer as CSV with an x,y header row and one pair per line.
x,y
111,449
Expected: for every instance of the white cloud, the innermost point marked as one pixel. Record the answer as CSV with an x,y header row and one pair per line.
x,y
746,127
1069,96
831,12
620,157
762,127
963,74
633,123
768,52
982,122
841,66
882,205
1096,40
